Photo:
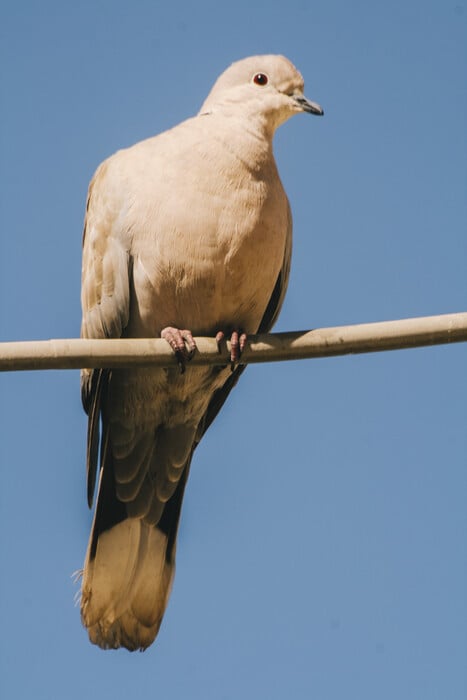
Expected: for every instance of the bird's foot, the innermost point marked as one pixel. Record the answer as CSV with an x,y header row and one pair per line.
x,y
237,345
182,343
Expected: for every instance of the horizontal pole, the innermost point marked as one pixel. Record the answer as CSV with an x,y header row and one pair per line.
x,y
154,352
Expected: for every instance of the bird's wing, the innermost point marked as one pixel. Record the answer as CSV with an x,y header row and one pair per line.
x,y
105,299
278,295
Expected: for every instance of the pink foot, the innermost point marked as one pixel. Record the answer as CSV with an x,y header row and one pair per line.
x,y
182,343
237,345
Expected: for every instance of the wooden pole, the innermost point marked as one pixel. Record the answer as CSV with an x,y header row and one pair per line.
x,y
322,342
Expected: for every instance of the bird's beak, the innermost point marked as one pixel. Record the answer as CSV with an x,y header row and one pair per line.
x,y
308,106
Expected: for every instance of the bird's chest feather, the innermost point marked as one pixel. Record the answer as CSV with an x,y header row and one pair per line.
x,y
210,261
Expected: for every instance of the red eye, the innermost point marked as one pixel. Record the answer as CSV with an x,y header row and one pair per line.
x,y
261,79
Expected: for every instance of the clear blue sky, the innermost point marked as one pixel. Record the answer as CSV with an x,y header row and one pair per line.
x,y
323,543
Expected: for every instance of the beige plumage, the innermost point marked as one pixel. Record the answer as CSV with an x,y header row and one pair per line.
x,y
190,229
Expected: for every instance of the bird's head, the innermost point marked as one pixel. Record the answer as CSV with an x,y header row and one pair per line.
x,y
268,86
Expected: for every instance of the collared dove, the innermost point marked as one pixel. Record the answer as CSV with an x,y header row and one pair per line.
x,y
190,229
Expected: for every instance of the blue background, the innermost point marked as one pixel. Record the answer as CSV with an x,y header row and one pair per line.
x,y
322,550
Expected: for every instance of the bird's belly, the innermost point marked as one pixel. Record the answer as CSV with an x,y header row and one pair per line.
x,y
213,301
147,397
219,280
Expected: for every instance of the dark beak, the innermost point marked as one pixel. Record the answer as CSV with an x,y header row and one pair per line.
x,y
308,105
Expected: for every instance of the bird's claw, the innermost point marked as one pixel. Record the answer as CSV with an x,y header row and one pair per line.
x,y
237,345
182,343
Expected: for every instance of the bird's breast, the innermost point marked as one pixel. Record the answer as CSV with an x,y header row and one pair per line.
x,y
209,261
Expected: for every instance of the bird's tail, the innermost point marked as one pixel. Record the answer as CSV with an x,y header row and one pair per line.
x,y
129,569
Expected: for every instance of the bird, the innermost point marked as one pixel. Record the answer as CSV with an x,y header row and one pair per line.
x,y
187,233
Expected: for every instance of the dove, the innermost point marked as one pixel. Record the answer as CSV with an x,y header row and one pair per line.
x,y
186,234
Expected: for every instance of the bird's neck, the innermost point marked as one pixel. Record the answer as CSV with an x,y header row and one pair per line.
x,y
249,138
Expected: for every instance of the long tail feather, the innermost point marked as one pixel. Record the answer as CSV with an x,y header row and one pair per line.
x,y
129,569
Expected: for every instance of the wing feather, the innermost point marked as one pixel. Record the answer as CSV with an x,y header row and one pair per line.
x,y
105,300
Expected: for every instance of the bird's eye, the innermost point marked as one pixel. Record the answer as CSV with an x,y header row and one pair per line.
x,y
261,79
